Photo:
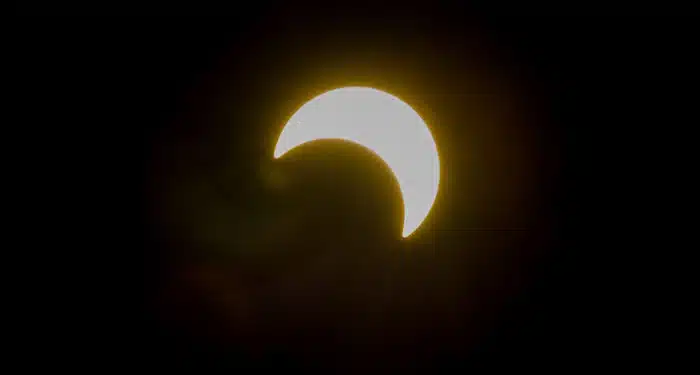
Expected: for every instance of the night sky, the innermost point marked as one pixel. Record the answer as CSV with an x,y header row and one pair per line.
x,y
196,250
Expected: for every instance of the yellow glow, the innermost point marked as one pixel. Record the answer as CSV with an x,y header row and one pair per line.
x,y
382,123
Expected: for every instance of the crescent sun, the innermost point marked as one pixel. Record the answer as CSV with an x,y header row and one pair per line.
x,y
383,124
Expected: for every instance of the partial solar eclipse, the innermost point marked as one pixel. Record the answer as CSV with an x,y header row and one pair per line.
x,y
383,124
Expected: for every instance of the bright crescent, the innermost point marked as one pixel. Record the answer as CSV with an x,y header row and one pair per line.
x,y
385,125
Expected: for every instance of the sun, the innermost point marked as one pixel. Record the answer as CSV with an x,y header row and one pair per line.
x,y
383,124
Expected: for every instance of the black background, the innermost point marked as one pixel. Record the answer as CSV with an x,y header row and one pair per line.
x,y
538,254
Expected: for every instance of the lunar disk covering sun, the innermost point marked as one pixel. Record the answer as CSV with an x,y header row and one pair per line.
x,y
383,124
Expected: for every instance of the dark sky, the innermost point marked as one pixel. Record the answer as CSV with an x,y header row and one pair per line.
x,y
194,249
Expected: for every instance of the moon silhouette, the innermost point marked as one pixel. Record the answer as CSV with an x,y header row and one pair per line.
x,y
383,124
